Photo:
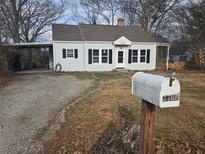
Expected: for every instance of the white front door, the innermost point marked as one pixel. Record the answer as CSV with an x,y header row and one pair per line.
x,y
120,59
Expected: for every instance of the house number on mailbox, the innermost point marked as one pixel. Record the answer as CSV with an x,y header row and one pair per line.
x,y
174,97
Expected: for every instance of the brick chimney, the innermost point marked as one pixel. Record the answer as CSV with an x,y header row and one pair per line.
x,y
121,21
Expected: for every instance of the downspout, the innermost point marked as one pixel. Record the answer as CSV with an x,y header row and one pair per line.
x,y
84,55
167,64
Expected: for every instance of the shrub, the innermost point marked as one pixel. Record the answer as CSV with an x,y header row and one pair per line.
x,y
177,65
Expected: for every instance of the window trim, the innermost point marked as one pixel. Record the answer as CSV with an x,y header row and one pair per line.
x,y
95,56
143,55
139,56
102,56
132,55
70,53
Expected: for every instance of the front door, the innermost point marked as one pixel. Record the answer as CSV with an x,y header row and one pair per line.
x,y
120,59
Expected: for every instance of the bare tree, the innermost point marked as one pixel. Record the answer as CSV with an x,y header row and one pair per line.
x,y
11,10
128,11
150,14
26,20
1,27
192,21
106,9
37,16
84,13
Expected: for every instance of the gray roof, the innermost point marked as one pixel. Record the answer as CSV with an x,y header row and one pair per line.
x,y
85,32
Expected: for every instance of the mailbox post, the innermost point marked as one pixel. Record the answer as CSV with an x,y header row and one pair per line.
x,y
155,91
146,127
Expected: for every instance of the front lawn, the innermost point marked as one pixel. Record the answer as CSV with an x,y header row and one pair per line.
x,y
91,123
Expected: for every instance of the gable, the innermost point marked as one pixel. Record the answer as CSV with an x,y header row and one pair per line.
x,y
122,41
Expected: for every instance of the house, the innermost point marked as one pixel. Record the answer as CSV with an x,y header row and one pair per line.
x,y
86,47
179,52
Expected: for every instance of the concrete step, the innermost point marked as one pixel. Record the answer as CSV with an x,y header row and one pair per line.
x,y
119,69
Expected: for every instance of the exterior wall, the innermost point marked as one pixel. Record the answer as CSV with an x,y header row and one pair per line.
x,y
69,64
81,63
139,65
99,66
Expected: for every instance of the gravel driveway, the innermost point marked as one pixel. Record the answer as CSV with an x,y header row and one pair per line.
x,y
28,103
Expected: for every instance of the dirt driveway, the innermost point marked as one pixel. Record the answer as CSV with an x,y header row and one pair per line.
x,y
28,103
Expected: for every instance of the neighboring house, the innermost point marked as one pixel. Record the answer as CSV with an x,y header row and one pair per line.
x,y
105,48
179,52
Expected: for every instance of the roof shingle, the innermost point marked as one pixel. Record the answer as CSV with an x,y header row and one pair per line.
x,y
85,32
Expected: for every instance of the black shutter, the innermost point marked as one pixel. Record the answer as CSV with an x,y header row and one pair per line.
x,y
64,53
130,56
76,53
110,56
90,56
148,55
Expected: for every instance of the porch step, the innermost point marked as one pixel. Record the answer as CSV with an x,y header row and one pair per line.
x,y
120,69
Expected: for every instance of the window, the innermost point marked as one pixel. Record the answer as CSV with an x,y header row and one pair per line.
x,y
135,56
95,56
100,56
69,53
104,55
142,56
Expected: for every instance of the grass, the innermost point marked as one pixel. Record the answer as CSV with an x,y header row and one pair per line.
x,y
88,121
100,76
186,123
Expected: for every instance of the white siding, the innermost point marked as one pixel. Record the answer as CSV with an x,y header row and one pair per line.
x,y
99,66
69,64
81,63
143,66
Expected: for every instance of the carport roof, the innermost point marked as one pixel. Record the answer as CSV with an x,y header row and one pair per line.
x,y
30,44
86,32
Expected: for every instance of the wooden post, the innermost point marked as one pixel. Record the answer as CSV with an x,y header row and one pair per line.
x,y
146,128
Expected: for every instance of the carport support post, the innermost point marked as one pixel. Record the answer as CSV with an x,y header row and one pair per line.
x,y
146,128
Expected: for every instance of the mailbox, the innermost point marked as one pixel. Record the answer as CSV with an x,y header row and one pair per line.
x,y
158,90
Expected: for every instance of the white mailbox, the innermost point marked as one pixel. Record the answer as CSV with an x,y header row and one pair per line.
x,y
158,90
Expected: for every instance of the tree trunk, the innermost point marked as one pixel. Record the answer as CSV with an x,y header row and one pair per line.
x,y
16,37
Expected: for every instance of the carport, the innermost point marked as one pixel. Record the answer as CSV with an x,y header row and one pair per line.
x,y
33,55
